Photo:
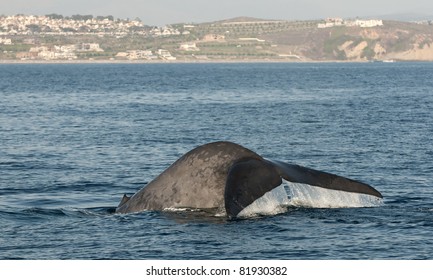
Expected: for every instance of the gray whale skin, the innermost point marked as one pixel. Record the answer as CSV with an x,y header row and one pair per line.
x,y
229,177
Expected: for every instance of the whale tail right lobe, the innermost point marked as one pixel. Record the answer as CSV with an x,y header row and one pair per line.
x,y
299,174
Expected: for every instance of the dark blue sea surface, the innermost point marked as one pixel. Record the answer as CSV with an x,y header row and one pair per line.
x,y
75,137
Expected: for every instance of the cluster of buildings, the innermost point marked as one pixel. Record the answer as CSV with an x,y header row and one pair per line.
x,y
190,46
146,55
424,22
5,41
166,31
27,25
49,25
68,52
331,22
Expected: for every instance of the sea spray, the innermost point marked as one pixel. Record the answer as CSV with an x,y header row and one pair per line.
x,y
303,195
289,194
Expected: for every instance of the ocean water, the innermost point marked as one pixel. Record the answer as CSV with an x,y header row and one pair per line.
x,y
76,137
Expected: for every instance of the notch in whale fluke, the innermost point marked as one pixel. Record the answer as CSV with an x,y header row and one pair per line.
x,y
247,181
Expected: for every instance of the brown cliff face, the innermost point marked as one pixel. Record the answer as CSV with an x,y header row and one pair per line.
x,y
392,41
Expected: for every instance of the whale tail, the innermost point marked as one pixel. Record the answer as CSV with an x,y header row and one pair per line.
x,y
250,179
227,175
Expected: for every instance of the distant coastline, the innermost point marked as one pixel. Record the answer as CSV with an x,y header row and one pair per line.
x,y
173,62
87,39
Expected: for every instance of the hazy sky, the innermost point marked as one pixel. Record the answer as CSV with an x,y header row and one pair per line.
x,y
160,12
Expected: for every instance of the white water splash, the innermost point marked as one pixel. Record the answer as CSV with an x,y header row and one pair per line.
x,y
180,209
303,195
288,194
271,203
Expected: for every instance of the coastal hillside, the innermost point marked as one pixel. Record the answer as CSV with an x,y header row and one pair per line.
x,y
54,37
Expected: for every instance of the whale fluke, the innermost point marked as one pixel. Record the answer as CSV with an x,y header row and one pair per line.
x,y
228,177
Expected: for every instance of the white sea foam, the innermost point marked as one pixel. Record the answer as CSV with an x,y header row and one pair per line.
x,y
271,203
180,209
289,194
302,195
